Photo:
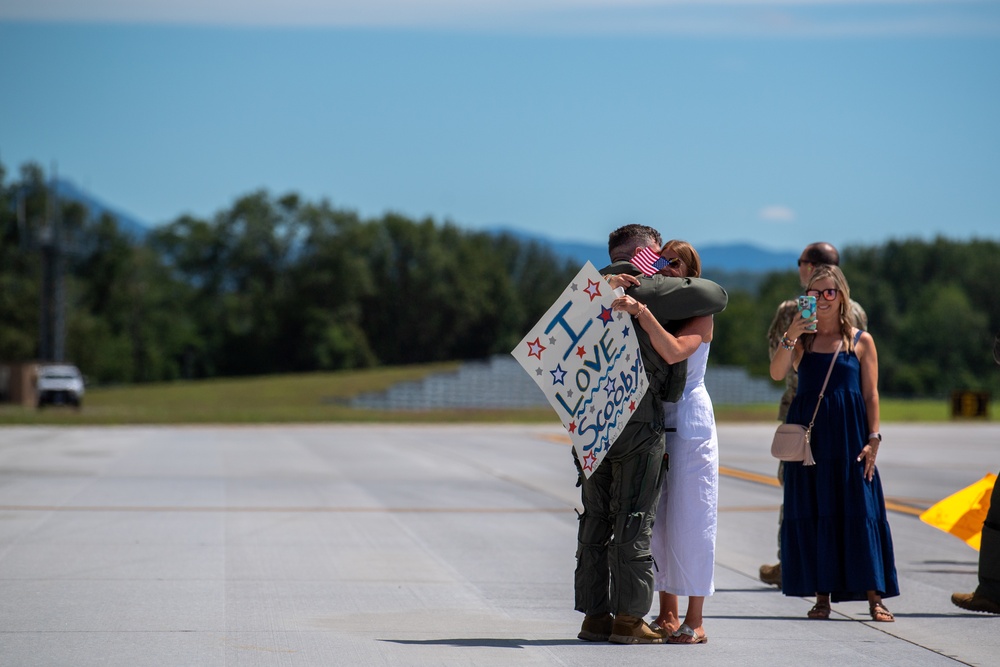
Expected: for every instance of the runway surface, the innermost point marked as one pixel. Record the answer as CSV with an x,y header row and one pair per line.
x,y
420,545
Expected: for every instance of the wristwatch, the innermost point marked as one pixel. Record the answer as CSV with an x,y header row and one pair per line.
x,y
876,435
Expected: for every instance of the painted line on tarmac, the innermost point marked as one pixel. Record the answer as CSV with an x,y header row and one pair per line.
x,y
289,510
893,505
768,480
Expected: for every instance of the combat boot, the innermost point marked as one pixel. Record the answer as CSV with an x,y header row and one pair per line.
x,y
634,630
975,601
596,627
771,574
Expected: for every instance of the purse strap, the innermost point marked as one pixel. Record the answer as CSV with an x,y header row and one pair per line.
x,y
822,391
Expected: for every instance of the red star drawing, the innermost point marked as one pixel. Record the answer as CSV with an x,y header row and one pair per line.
x,y
605,315
588,461
631,406
581,351
593,289
572,427
535,349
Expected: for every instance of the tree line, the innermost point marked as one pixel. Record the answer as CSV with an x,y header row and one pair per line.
x,y
279,284
932,308
269,285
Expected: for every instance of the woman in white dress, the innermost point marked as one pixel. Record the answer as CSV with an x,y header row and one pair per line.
x,y
683,541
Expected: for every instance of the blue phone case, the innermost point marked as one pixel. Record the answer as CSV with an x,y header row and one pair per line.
x,y
807,310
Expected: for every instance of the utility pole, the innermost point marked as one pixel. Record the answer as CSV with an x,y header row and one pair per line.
x,y
52,319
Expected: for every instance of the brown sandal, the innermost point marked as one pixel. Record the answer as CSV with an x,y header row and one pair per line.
x,y
820,611
880,614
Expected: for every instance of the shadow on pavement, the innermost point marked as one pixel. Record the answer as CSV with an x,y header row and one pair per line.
x,y
491,642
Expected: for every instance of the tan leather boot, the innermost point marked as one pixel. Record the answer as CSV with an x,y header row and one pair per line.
x,y
975,602
596,628
634,630
771,574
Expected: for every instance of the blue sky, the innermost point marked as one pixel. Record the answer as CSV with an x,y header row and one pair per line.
x,y
777,123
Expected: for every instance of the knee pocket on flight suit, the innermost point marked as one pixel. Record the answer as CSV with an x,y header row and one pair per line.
x,y
632,539
594,530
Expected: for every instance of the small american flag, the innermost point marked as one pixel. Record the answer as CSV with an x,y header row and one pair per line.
x,y
647,261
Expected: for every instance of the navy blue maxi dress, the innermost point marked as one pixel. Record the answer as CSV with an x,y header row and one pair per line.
x,y
834,535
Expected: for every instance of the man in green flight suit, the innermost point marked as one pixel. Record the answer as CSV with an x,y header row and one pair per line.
x,y
614,572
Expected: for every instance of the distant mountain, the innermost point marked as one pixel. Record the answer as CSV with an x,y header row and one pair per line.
x,y
730,259
130,226
725,258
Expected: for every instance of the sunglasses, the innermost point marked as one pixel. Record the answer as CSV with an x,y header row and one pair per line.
x,y
828,294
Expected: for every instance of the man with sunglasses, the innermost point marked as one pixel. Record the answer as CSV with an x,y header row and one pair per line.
x,y
814,254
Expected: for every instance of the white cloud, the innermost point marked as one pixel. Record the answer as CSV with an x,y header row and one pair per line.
x,y
776,213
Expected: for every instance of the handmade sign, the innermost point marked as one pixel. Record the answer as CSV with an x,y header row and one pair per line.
x,y
585,358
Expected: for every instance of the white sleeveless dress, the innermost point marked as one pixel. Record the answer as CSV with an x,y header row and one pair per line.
x,y
683,541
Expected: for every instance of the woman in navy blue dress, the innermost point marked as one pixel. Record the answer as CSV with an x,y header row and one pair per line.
x,y
835,538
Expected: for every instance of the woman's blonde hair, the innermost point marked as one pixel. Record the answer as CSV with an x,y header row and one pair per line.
x,y
688,255
844,294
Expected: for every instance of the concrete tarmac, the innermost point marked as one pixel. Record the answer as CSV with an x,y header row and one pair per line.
x,y
420,545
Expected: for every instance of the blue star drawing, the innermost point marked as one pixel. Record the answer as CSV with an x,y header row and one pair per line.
x,y
558,375
610,386
605,315
625,332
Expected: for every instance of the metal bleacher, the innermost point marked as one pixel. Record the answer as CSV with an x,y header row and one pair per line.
x,y
500,382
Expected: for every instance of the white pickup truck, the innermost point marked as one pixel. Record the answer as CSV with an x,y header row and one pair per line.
x,y
59,384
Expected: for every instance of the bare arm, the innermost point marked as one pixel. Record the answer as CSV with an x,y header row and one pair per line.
x,y
671,348
677,348
785,358
868,356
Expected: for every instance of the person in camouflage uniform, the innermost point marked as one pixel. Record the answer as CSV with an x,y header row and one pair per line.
x,y
986,597
812,256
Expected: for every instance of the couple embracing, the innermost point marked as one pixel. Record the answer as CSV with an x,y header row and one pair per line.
x,y
649,510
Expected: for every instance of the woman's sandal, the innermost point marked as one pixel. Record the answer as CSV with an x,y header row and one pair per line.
x,y
685,635
820,610
880,614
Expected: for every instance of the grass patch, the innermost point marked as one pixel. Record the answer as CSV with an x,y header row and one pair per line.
x,y
892,410
300,398
322,398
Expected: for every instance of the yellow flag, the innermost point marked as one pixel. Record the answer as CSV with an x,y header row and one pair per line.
x,y
962,514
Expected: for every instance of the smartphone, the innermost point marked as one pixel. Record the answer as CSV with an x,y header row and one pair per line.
x,y
807,310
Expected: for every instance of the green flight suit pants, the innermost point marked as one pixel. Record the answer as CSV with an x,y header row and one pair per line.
x,y
614,563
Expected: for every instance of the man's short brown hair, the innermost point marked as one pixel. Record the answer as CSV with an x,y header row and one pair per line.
x,y
623,241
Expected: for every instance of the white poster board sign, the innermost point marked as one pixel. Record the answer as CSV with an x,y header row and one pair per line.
x,y
585,358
